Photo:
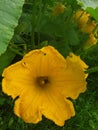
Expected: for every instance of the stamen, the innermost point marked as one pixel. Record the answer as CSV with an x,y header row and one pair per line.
x,y
42,81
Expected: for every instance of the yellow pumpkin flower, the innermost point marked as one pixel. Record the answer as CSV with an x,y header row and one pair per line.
x,y
89,27
81,17
44,80
84,22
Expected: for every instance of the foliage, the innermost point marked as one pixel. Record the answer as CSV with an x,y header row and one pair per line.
x,y
93,12
10,12
33,24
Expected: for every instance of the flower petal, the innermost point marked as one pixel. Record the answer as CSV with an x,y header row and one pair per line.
x,y
44,60
37,60
56,108
16,79
27,106
72,80
49,102
55,59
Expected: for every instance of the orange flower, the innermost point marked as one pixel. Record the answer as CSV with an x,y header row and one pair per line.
x,y
81,18
44,80
84,22
89,27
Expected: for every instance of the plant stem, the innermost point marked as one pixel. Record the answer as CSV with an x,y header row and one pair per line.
x,y
16,51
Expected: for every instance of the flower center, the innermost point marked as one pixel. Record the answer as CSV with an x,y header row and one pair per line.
x,y
42,81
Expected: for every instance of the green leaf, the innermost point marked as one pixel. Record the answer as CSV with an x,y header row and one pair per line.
x,y
2,100
93,12
72,37
92,70
10,11
50,26
5,59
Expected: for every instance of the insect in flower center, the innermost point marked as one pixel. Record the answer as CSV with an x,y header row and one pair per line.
x,y
42,81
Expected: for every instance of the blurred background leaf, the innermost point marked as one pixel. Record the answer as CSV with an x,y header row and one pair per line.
x,y
5,59
93,12
10,11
